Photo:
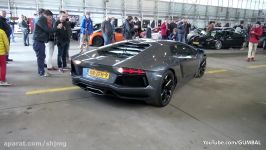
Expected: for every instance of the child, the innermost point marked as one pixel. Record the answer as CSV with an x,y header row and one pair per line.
x,y
4,48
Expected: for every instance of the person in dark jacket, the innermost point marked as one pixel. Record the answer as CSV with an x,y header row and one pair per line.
x,y
148,32
187,28
181,31
172,26
26,30
5,26
40,37
128,28
173,35
62,40
107,31
137,26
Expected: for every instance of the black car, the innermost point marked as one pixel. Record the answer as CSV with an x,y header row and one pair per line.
x,y
141,69
219,38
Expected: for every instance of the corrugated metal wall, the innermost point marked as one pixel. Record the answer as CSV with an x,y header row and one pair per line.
x,y
147,9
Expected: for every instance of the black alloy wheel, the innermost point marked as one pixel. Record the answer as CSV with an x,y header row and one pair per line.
x,y
167,88
218,45
202,69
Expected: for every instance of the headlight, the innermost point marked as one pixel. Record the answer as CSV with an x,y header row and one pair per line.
x,y
77,62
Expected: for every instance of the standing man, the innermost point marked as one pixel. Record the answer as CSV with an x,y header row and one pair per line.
x,y
107,31
113,23
12,26
137,27
41,35
62,35
86,30
5,26
172,26
181,31
254,35
128,29
210,27
187,29
37,16
26,30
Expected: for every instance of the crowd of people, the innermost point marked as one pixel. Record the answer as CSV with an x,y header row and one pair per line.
x,y
50,32
175,30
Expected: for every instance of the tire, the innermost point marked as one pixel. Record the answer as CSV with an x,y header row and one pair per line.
x,y
166,89
201,70
97,41
218,45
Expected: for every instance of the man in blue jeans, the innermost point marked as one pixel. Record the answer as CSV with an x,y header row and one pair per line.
x,y
181,32
107,30
41,35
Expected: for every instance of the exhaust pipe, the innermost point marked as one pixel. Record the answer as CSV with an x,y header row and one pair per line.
x,y
94,91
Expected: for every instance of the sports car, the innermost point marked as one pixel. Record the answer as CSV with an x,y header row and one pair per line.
x,y
141,69
96,39
219,38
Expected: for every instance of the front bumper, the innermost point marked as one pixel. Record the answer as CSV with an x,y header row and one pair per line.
x,y
100,88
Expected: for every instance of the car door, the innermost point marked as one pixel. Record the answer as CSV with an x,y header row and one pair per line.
x,y
186,56
228,39
238,39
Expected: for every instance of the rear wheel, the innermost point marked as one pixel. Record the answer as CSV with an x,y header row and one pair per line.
x,y
201,69
166,90
218,44
97,41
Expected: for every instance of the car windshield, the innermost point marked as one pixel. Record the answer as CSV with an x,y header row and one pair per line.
x,y
124,50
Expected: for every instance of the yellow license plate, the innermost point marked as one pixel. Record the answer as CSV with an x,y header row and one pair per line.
x,y
98,74
196,43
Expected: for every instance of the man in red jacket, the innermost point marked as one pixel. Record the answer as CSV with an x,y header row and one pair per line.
x,y
254,35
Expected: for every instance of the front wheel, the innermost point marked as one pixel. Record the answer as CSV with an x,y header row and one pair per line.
x,y
166,90
218,45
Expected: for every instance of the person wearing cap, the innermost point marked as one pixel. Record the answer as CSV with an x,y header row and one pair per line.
x,y
254,36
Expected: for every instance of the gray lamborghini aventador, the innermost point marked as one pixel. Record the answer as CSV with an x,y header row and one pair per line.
x,y
141,69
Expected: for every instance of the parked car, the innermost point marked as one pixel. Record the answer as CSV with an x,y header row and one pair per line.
x,y
219,38
141,69
96,39
156,33
76,31
196,32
